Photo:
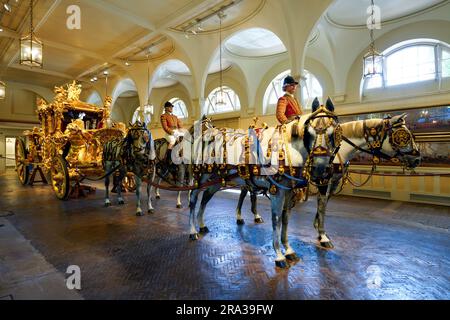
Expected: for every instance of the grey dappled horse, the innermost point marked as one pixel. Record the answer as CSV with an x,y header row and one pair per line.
x,y
281,185
135,153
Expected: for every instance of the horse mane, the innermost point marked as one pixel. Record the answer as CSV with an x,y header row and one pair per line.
x,y
355,129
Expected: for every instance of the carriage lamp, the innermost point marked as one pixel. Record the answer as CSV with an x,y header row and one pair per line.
x,y
2,90
31,47
372,60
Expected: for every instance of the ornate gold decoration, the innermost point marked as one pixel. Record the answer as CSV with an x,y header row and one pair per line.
x,y
273,189
401,138
73,91
244,171
338,135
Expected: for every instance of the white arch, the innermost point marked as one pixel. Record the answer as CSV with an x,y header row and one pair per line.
x,y
95,98
124,85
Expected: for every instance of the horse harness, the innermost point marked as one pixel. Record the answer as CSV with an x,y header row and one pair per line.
x,y
399,138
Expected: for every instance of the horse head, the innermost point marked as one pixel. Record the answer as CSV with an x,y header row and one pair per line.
x,y
400,145
322,138
138,139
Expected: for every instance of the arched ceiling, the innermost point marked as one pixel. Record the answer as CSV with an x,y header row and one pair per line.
x,y
207,20
255,42
351,13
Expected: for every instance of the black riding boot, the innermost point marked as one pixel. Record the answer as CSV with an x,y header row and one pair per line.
x,y
169,157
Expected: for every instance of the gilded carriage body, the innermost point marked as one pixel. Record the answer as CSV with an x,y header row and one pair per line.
x,y
69,143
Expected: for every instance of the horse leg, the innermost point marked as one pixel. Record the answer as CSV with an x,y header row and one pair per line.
x,y
122,174
319,221
286,214
138,195
257,218
207,195
180,182
193,234
107,168
277,205
239,219
157,194
150,210
179,206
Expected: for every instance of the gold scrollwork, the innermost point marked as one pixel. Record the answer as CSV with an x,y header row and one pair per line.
x,y
401,138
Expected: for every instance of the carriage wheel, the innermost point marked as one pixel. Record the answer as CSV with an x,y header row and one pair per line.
x,y
130,182
22,168
60,178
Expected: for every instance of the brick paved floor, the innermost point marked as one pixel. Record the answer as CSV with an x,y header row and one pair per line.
x,y
122,256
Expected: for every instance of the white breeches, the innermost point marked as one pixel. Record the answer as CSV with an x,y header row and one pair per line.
x,y
170,139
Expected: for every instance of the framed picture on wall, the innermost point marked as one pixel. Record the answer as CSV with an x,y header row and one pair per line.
x,y
430,126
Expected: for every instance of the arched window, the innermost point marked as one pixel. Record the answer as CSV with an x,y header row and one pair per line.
x,y
412,61
311,89
445,60
230,99
143,114
179,108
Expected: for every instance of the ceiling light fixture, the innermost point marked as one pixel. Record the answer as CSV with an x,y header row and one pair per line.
x,y
372,60
31,47
7,7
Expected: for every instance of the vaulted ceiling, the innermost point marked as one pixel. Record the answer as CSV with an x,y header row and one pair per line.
x,y
115,32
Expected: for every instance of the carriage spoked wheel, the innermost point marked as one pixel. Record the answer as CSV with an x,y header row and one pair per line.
x,y
59,173
23,171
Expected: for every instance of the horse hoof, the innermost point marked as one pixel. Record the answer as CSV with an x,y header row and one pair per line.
x,y
107,205
204,230
121,202
281,264
158,197
292,257
259,220
240,222
151,211
139,214
179,206
327,245
193,237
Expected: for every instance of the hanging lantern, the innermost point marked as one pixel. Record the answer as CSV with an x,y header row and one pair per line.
x,y
220,98
2,90
220,95
31,47
373,63
372,60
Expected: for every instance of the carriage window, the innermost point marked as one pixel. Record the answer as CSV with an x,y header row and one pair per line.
x,y
179,108
412,61
230,101
311,89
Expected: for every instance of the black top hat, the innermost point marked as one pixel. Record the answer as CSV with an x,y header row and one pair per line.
x,y
168,104
289,80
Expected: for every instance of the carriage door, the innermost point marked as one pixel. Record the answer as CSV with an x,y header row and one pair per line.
x,y
10,152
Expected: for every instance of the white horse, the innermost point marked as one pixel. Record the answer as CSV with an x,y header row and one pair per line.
x,y
281,182
387,138
382,138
